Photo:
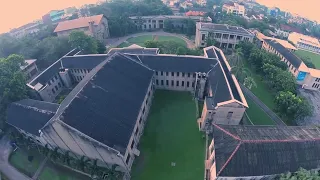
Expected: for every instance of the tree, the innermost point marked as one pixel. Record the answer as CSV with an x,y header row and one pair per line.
x,y
300,174
151,44
181,51
308,62
292,106
112,173
101,48
12,83
80,40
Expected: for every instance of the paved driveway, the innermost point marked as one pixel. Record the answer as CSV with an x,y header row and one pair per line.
x,y
114,42
5,167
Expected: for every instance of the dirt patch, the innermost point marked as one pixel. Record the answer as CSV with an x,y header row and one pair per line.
x,y
155,37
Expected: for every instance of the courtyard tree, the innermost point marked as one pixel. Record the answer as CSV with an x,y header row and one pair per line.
x,y
291,106
181,51
300,174
80,40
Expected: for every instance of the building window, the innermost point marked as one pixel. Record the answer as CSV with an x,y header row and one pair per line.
x,y
128,158
161,73
157,82
132,144
167,73
178,74
53,91
49,83
172,83
203,37
193,84
161,82
144,109
187,83
182,74
156,73
182,83
140,120
177,83
137,130
229,115
188,74
56,87
194,75
172,73
56,77
167,82
59,84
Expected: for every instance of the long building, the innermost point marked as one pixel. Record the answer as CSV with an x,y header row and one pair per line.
x,y
234,8
157,22
226,36
260,152
305,42
308,78
90,120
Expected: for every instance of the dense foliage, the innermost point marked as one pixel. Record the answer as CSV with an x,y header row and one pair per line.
x,y
182,26
301,174
280,81
12,83
83,42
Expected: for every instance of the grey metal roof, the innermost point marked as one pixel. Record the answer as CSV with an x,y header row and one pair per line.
x,y
142,50
293,59
224,27
30,115
174,63
106,103
265,150
83,61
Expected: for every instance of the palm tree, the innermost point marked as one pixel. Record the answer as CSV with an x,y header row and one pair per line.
x,y
82,163
55,154
249,82
94,168
66,158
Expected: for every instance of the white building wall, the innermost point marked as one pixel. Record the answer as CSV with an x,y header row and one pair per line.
x,y
176,81
52,88
78,74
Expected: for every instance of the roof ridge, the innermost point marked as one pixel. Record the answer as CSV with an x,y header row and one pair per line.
x,y
227,132
229,159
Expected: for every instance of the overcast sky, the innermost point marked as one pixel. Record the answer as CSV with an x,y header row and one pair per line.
x,y
15,13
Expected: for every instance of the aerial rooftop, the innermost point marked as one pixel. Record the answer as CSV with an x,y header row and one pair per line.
x,y
224,27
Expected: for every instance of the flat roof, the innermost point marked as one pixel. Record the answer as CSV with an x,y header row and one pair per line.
x,y
28,63
224,27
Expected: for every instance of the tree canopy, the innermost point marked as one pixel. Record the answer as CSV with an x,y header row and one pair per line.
x,y
85,43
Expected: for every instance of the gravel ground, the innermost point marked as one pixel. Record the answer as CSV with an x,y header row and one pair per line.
x,y
314,98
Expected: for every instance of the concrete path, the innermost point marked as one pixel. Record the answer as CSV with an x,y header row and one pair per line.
x,y
5,167
268,111
114,42
39,170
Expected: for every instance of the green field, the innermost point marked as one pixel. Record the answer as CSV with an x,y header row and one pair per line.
x,y
19,160
172,148
257,115
315,58
262,90
139,40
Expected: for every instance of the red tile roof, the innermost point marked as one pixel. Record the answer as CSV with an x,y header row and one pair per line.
x,y
78,23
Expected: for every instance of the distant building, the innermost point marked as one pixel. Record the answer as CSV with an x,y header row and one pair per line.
x,y
53,16
30,68
28,29
234,8
157,22
201,2
96,26
308,78
226,36
274,11
261,37
260,152
195,13
285,30
305,42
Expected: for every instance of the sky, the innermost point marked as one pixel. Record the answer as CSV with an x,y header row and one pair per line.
x,y
305,8
15,13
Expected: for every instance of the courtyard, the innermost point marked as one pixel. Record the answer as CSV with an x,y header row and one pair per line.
x,y
172,146
139,40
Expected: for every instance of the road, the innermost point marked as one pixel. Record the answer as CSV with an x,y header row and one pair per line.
x,y
258,102
114,42
5,167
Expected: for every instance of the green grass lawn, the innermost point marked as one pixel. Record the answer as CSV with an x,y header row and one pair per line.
x,y
57,172
139,40
257,115
19,159
171,136
315,58
262,90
